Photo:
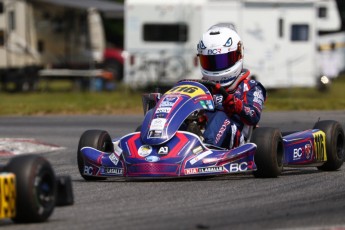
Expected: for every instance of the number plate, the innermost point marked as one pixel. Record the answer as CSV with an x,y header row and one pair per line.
x,y
7,195
320,146
189,90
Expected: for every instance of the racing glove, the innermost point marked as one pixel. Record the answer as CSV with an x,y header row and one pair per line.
x,y
232,105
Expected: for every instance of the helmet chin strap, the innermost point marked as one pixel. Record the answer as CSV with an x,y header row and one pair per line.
x,y
244,74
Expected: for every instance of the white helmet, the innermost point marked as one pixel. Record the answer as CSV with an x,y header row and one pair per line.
x,y
220,53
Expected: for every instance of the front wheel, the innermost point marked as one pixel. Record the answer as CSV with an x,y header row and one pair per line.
x,y
269,153
97,139
334,144
35,187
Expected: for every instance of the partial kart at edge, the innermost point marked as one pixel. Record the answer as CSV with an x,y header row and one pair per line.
x,y
30,190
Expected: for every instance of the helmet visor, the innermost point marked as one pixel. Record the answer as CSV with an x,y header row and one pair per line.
x,y
220,61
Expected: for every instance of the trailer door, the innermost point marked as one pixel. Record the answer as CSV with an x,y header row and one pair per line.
x,y
279,43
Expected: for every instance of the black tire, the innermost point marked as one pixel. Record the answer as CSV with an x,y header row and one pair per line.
x,y
35,187
269,153
335,147
97,139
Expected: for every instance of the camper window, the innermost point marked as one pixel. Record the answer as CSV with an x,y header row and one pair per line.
x,y
165,32
322,12
299,32
1,7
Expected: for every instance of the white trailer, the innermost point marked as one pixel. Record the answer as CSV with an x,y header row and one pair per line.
x,y
37,36
331,44
280,38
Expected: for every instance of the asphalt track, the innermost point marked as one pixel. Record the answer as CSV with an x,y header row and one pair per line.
x,y
299,199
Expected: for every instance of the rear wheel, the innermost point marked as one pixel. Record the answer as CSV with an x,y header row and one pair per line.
x,y
35,187
97,139
269,153
334,144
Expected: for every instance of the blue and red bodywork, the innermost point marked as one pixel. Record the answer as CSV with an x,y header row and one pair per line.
x,y
162,149
183,155
305,148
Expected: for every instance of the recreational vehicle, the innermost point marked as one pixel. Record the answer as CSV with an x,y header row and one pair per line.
x,y
50,38
280,38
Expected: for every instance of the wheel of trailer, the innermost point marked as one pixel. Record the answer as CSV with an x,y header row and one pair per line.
x,y
97,139
35,187
335,147
269,153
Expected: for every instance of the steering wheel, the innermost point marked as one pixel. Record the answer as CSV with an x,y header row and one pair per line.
x,y
210,85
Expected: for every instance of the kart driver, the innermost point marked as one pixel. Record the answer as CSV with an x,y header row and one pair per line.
x,y
220,51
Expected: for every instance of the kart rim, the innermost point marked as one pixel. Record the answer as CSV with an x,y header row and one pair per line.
x,y
44,186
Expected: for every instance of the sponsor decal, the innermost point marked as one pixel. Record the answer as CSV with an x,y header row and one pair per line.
x,y
155,133
201,98
304,149
214,51
222,130
158,124
197,150
297,153
191,171
164,150
227,79
218,99
111,171
88,170
114,158
163,110
213,169
144,150
168,102
203,104
210,160
209,105
258,97
199,157
152,159
241,167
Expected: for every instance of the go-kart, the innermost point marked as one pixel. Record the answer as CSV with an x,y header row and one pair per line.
x,y
29,189
162,148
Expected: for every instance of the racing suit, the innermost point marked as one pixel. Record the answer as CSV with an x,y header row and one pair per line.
x,y
224,125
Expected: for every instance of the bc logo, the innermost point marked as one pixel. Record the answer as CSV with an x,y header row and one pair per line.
x,y
214,51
